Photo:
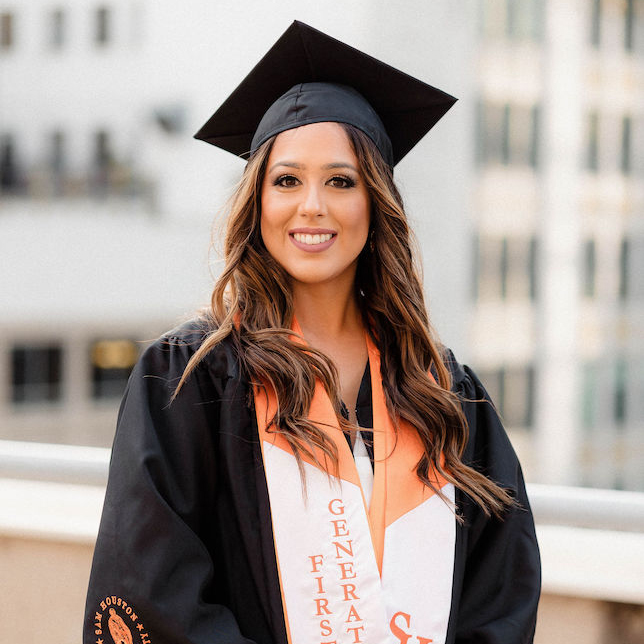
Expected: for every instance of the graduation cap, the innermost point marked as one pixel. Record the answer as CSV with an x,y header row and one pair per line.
x,y
309,77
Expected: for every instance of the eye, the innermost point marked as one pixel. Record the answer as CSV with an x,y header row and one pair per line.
x,y
286,181
340,181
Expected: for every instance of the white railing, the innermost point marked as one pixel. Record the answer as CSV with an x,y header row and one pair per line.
x,y
552,505
58,463
587,507
591,541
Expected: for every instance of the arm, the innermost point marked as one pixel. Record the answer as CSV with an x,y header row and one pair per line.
x,y
153,577
498,576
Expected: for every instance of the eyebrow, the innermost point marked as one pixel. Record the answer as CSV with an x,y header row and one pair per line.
x,y
328,166
332,166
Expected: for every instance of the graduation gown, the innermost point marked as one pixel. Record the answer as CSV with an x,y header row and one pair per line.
x,y
185,551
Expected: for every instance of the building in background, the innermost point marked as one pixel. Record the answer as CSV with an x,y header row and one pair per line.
x,y
559,206
95,262
528,200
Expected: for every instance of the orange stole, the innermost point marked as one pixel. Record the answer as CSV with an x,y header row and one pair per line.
x,y
397,492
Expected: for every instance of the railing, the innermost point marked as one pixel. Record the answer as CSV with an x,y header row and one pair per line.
x,y
587,507
57,463
552,505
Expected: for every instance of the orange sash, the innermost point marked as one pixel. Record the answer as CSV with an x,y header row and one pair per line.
x,y
348,573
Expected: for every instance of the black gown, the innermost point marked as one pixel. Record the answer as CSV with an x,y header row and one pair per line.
x,y
185,550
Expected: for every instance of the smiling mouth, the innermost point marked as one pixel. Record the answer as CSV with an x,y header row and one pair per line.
x,y
312,240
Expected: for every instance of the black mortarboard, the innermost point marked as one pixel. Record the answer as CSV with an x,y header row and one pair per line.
x,y
308,77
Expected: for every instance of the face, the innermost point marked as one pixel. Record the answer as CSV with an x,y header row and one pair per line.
x,y
315,205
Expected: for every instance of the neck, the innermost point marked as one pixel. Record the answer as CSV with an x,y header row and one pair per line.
x,y
324,310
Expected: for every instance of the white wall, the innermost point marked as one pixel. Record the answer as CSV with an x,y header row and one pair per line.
x,y
80,260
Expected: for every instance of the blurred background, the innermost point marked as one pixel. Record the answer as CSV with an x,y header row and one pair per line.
x,y
528,204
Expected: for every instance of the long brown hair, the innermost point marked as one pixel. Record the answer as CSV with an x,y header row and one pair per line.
x,y
252,303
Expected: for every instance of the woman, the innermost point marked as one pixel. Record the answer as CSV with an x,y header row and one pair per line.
x,y
305,463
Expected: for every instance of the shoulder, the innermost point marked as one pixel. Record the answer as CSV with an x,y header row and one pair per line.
x,y
154,412
168,355
465,382
488,449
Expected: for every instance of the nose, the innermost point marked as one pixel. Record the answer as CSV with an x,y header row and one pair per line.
x,y
313,203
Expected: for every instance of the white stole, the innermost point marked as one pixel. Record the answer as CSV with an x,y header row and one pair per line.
x,y
352,572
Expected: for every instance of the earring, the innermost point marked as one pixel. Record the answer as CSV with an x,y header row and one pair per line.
x,y
371,244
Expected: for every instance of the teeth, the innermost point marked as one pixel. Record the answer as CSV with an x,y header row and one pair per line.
x,y
312,240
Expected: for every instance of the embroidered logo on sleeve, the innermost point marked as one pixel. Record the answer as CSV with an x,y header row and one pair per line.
x,y
117,622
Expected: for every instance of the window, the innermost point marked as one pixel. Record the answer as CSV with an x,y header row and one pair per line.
x,y
493,380
515,20
503,265
112,362
512,390
589,395
102,162
631,275
506,268
626,162
103,25
102,150
521,269
492,133
36,373
609,142
525,19
623,21
637,146
624,252
518,396
523,135
629,25
596,23
57,161
6,30
634,26
637,27
489,268
57,29
592,142
508,134
9,175
590,268
619,396
533,259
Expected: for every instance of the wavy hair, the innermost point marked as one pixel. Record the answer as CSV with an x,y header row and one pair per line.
x,y
252,304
